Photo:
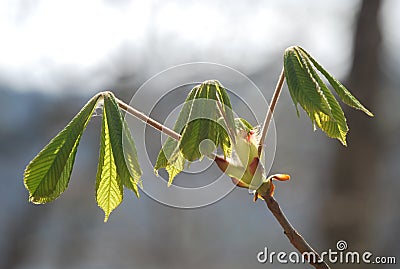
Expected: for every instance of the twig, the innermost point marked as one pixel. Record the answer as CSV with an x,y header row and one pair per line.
x,y
271,109
294,237
155,124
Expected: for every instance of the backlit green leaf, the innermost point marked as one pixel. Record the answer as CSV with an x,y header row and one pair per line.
x,y
109,188
302,87
307,89
343,93
48,174
203,120
130,172
334,126
131,160
198,121
170,156
118,161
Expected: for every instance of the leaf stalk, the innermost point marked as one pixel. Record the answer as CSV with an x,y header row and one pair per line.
x,y
153,123
268,118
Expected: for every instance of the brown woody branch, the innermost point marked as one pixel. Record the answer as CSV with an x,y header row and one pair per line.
x,y
294,237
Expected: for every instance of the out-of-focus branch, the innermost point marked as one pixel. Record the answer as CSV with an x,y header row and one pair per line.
x,y
294,237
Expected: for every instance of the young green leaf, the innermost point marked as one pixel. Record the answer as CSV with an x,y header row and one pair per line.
x,y
307,89
197,122
171,159
242,124
334,126
131,160
122,144
109,188
170,156
118,161
343,93
203,119
48,174
302,87
244,167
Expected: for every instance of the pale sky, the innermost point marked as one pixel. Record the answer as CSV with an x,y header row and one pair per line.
x,y
43,39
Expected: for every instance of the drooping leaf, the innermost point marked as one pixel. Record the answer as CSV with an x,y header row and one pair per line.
x,y
170,156
130,172
343,93
203,120
118,161
307,89
302,87
109,188
198,121
334,126
131,159
48,174
177,165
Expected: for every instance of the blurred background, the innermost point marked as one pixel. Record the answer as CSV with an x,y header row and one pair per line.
x,y
55,55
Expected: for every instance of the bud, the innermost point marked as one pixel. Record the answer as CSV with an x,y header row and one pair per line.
x,y
245,168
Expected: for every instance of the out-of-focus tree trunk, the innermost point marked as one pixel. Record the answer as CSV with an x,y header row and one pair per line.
x,y
349,208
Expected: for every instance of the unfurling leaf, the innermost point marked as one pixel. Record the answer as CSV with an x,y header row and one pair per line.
x,y
244,167
307,89
48,174
198,121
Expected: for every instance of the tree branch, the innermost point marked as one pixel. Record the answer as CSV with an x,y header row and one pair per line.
x,y
155,124
271,109
294,237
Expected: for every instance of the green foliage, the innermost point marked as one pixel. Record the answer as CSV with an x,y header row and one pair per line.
x,y
242,124
113,172
109,189
202,123
341,91
170,157
307,89
48,174
206,116
197,121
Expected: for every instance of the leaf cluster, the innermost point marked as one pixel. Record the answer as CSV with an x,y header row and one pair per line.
x,y
204,116
308,89
48,174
